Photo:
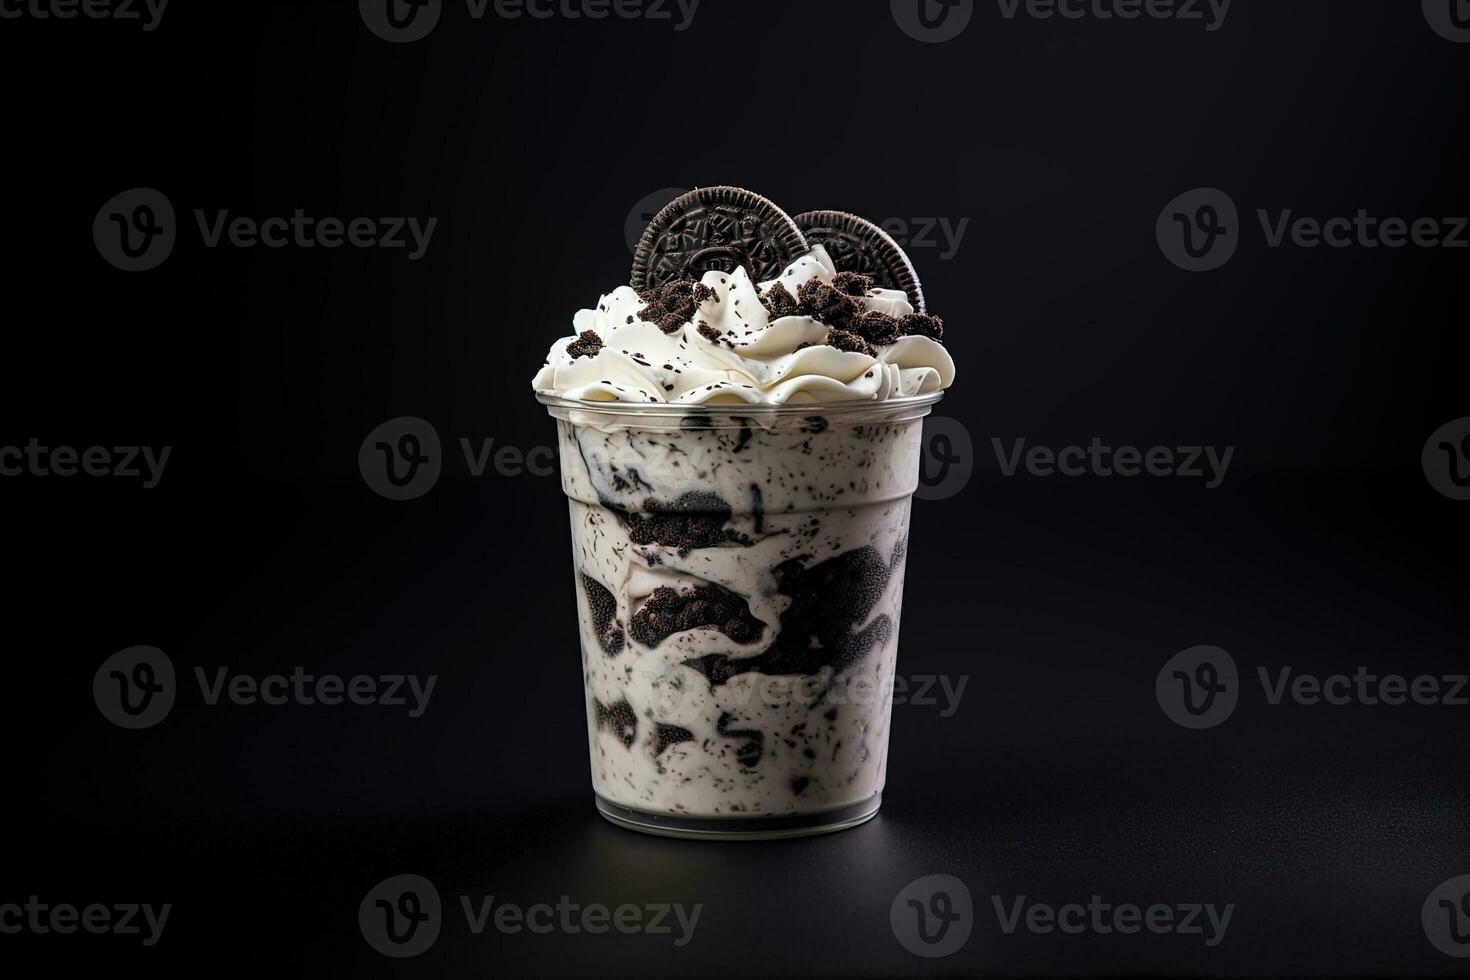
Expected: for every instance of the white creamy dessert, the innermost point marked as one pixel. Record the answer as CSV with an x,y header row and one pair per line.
x,y
759,685
740,566
759,359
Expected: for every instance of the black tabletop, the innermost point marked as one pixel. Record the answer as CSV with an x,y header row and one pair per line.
x,y
1206,720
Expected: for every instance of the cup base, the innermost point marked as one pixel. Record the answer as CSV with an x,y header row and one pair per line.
x,y
740,828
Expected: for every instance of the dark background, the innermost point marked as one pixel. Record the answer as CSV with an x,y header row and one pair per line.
x,y
1058,777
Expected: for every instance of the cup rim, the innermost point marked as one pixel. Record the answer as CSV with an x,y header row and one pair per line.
x,y
892,409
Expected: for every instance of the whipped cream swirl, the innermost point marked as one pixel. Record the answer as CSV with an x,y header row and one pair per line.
x,y
757,360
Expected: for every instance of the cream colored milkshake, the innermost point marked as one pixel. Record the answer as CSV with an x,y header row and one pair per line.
x,y
739,460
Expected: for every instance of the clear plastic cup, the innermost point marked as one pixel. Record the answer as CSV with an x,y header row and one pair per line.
x,y
739,579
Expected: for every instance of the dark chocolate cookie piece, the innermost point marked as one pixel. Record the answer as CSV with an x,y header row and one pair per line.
x,y
669,611
587,344
827,304
851,342
716,228
922,325
819,630
779,302
604,608
859,246
694,520
666,735
877,328
618,718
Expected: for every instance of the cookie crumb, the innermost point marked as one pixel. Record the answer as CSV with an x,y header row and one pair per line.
x,y
779,302
922,325
673,304
822,302
843,340
852,283
587,344
877,328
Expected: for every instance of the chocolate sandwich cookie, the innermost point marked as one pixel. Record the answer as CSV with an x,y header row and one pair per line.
x,y
716,228
859,246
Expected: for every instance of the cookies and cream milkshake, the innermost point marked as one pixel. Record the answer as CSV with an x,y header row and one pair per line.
x,y
739,436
